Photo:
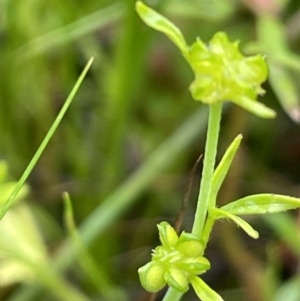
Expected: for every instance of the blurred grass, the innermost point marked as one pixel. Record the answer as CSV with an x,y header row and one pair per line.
x,y
132,134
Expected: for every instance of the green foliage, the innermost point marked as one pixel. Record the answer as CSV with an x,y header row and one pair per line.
x,y
223,167
262,203
221,73
126,144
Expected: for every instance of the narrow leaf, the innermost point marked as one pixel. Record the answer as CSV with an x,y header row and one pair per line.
x,y
203,291
262,203
8,187
288,59
92,269
223,167
285,89
162,24
45,142
3,171
239,221
276,41
286,228
255,107
289,291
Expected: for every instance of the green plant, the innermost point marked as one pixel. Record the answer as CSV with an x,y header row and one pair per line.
x,y
92,139
222,73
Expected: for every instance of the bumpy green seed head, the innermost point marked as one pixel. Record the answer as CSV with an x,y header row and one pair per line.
x,y
190,245
167,235
222,72
174,261
177,278
152,276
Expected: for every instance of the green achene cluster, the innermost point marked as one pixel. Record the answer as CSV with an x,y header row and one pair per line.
x,y
223,73
177,262
174,261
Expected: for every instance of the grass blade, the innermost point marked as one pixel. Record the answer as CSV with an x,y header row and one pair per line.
x,y
44,143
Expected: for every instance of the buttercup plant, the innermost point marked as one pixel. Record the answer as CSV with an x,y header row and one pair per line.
x,y
222,74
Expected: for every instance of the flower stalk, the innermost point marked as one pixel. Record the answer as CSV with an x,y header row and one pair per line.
x,y
222,73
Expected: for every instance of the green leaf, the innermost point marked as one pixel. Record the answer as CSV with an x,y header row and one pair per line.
x,y
203,291
219,213
212,11
3,171
262,203
223,167
162,24
286,228
8,187
45,142
289,291
288,59
254,107
285,89
271,34
279,55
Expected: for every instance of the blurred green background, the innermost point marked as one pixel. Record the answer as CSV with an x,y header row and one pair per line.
x,y
126,146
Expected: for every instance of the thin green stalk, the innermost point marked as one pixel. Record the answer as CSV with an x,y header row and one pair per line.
x,y
172,295
90,267
207,229
215,111
207,173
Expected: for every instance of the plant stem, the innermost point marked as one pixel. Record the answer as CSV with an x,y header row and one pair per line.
x,y
172,295
207,173
215,111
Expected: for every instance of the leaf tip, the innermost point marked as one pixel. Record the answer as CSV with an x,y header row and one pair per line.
x,y
254,234
239,137
140,7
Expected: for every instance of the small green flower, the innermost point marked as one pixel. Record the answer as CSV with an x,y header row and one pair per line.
x,y
174,261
